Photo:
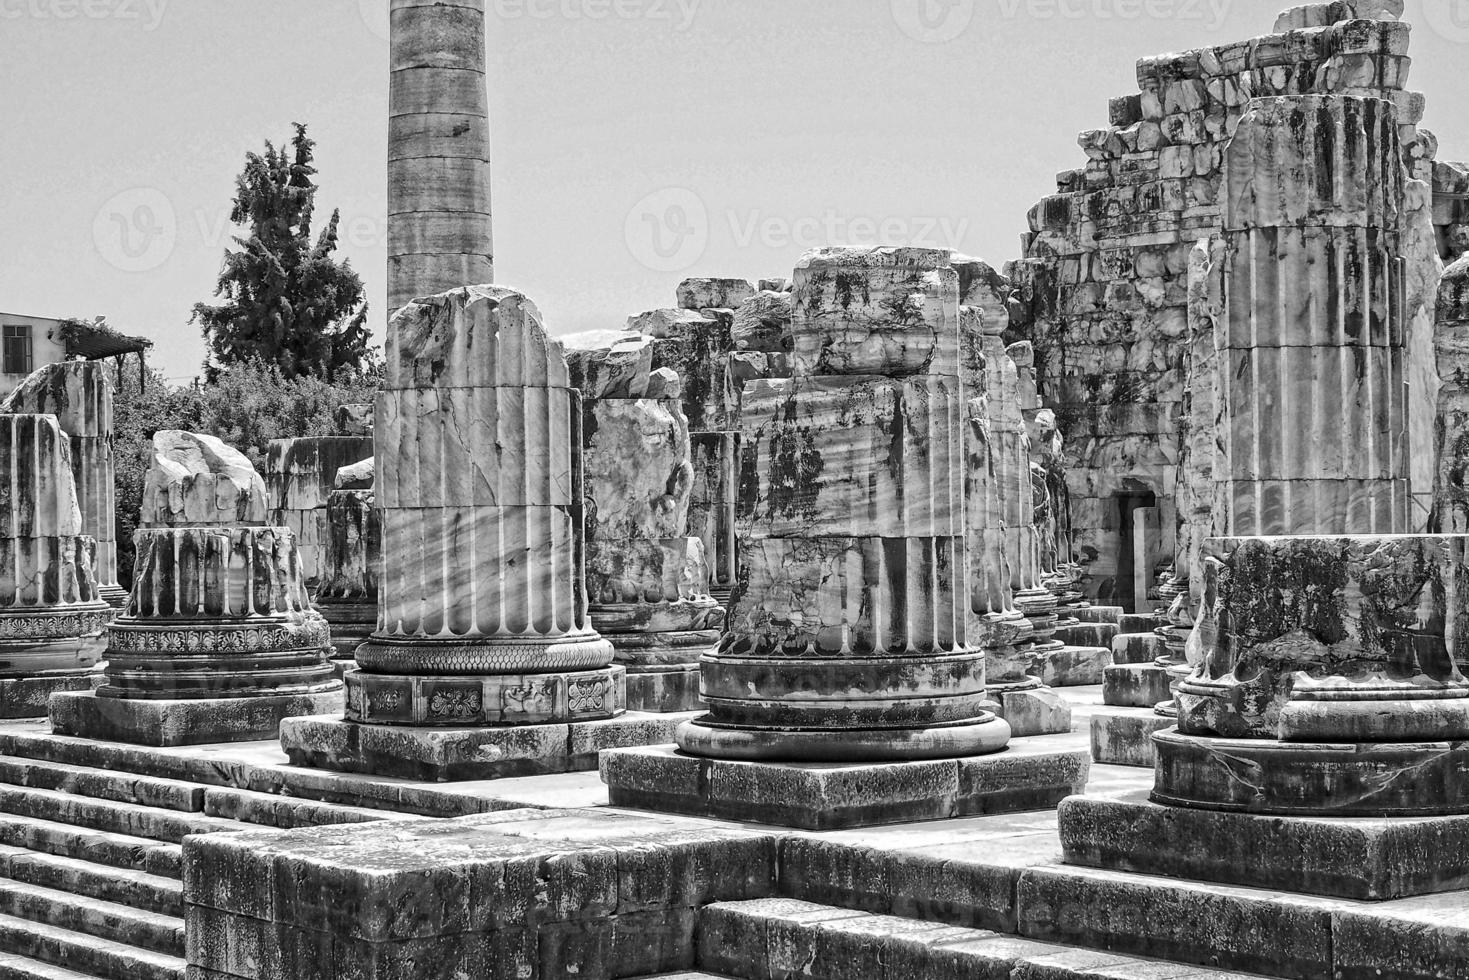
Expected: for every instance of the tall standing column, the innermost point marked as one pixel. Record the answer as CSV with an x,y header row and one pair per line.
x,y
79,394
439,228
483,631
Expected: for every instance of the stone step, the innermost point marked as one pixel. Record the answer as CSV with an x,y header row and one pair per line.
x,y
773,939
102,784
87,955
94,917
93,846
288,812
125,886
168,826
23,968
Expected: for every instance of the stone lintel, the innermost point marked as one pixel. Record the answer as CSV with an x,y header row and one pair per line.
x,y
464,754
817,796
162,724
1364,859
1125,738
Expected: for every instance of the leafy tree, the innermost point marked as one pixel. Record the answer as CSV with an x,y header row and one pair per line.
x,y
287,301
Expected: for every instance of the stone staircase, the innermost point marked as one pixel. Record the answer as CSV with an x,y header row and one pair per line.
x,y
91,864
780,939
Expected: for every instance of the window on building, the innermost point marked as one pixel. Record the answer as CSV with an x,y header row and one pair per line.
x,y
17,353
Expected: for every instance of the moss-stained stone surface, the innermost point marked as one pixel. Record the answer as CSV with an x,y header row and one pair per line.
x,y
509,895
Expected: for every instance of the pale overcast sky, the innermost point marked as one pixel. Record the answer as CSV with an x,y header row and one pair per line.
x,y
636,141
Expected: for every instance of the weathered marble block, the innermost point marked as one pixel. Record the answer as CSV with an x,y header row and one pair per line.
x,y
890,311
197,480
1451,343
719,294
844,597
79,394
638,473
857,456
352,558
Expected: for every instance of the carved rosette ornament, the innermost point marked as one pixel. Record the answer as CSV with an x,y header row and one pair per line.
x,y
218,609
849,629
482,606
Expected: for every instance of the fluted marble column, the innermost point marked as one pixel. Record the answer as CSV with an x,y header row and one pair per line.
x,y
439,228
79,394
647,579
1451,342
218,641
1311,361
352,556
51,611
483,609
848,637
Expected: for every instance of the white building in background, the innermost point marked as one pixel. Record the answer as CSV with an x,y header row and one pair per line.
x,y
30,342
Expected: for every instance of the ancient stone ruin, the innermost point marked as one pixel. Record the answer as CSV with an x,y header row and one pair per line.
x,y
218,642
831,580
52,613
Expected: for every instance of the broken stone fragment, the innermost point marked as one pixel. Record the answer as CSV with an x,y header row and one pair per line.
x,y
638,475
763,323
713,294
879,311
619,371
196,479
358,476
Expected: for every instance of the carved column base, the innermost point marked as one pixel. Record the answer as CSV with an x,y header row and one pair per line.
x,y
481,701
420,656
1348,779
176,660
114,595
662,660
985,735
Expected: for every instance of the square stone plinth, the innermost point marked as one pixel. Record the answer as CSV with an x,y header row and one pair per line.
x,y
461,754
28,697
818,796
1125,737
161,724
1136,686
664,690
1074,666
1356,858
